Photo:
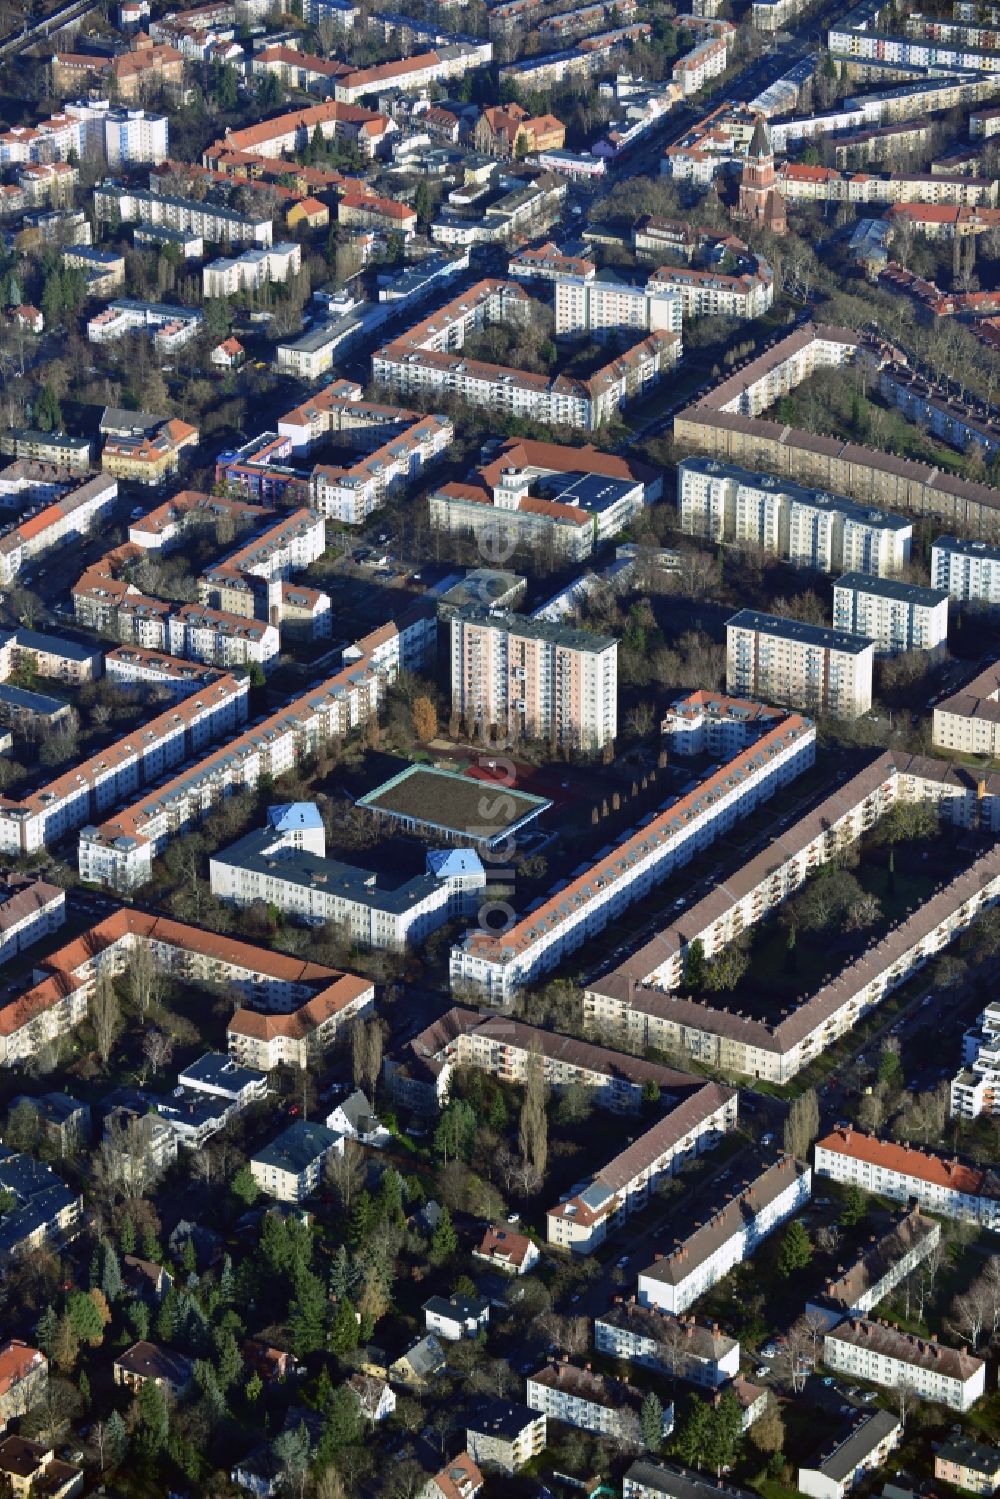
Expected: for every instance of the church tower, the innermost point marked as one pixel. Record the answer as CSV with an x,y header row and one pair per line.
x,y
760,201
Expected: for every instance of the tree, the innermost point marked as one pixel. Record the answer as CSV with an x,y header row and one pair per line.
x,y
345,1173
293,1452
693,1437
48,413
455,1135
105,1016
802,1124
157,1048
344,1334
725,1433
768,1431
795,1251
111,1274
307,1314
85,1317
117,1438
65,1344
695,967
244,1188
890,1070
423,204
423,712
855,1206
533,1125
152,1418
651,1422
143,979
444,1240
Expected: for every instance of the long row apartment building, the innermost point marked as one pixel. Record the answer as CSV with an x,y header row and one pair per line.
x,y
496,966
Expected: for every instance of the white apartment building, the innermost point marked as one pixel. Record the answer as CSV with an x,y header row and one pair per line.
x,y
29,911
976,1088
497,966
636,997
120,137
807,666
864,1450
133,205
272,865
968,571
678,1347
897,616
672,1282
251,270
605,303
120,852
592,1402
171,327
290,1168
300,1037
772,15
582,1221
879,1268
135,667
899,1172
70,517
413,72
968,722
809,528
887,1356
221,639
292,543
709,722
748,294
706,60
348,494
646,1480
537,680
57,807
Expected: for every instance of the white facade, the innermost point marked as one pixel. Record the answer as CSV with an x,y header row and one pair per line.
x,y
807,527
968,571
976,1088
680,1348
897,616
863,1451
251,270
807,666
592,1402
883,1355
602,304
945,1187
28,914
676,1280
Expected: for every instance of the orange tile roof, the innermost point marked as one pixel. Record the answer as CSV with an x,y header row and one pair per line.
x,y
906,1161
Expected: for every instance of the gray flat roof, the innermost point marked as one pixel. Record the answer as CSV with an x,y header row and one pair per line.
x,y
872,515
893,588
980,549
797,629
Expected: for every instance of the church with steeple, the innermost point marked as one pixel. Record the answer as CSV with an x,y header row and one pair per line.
x,y
760,201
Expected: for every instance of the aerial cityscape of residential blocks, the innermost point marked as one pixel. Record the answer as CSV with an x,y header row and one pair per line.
x,y
499,749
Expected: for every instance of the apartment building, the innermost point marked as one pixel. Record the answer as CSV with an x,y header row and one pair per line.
x,y
171,327
897,616
428,358
251,270
975,1089
458,1479
881,1266
364,209
219,638
544,494
64,981
968,571
24,1376
304,1036
350,493
807,527
95,785
155,672
120,852
580,61
415,72
43,1212
67,519
646,1480
640,1004
967,1464
29,911
806,666
706,60
120,137
968,722
537,680
381,912
593,1402
582,1221
117,204
730,1236
679,1347
885,1355
711,723
945,1187
287,134
507,1435
48,656
149,459
30,1468
496,966
710,293
863,1450
290,1168
606,303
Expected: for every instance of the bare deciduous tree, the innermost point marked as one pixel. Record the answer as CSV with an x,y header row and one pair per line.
x,y
105,1016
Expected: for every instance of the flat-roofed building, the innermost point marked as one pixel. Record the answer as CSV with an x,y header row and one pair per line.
x,y
730,1236
811,667
898,616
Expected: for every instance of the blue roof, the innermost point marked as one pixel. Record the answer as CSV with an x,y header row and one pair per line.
x,y
294,817
447,863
